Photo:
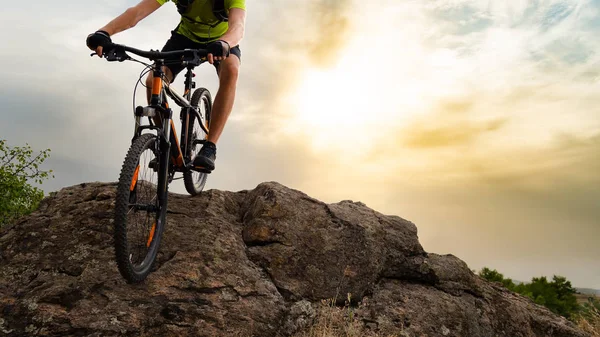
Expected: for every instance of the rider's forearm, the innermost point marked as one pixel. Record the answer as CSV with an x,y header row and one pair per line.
x,y
234,34
131,16
123,22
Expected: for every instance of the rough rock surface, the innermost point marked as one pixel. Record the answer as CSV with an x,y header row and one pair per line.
x,y
251,263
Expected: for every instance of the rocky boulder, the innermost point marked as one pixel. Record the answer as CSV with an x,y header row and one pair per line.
x,y
251,263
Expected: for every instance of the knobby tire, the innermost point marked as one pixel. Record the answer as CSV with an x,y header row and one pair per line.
x,y
195,181
122,229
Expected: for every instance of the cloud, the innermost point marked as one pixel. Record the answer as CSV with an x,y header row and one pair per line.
x,y
331,28
476,119
448,128
527,211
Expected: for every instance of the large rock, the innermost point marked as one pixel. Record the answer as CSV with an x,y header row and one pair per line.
x,y
244,264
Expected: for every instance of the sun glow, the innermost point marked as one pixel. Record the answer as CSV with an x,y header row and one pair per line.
x,y
350,101
385,76
333,98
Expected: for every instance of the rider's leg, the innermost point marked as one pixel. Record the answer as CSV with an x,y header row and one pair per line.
x,y
228,74
223,104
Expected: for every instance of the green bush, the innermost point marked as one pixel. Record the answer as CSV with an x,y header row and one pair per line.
x,y
18,169
557,295
495,276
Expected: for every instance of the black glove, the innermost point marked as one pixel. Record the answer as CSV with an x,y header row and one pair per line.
x,y
218,48
98,39
183,6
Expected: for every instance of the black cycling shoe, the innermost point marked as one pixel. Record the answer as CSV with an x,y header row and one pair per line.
x,y
205,159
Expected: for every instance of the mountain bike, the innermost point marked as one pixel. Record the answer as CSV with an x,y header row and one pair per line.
x,y
156,154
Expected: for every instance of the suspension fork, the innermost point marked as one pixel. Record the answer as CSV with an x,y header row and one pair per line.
x,y
155,98
163,166
165,135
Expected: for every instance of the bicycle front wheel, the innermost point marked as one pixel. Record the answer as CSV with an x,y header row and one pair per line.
x,y
139,218
195,181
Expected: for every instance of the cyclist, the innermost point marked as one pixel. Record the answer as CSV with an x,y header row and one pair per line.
x,y
215,25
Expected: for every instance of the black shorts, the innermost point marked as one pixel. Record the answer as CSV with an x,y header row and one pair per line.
x,y
178,42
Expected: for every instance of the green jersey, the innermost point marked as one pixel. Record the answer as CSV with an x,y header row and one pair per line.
x,y
200,24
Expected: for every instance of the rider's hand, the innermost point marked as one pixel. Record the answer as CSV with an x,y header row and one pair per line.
x,y
218,51
98,40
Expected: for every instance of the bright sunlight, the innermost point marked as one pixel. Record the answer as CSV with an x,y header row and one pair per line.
x,y
361,98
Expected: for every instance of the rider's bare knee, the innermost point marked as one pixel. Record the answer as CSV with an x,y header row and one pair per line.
x,y
230,70
149,80
168,74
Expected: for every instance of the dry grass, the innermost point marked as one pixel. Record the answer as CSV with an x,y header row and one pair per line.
x,y
335,321
590,324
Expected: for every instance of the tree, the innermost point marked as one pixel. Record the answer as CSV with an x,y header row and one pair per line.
x,y
495,276
491,275
19,168
557,295
565,294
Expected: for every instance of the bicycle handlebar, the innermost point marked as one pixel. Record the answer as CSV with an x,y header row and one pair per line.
x,y
117,52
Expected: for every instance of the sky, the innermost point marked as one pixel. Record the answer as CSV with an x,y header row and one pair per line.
x,y
478,120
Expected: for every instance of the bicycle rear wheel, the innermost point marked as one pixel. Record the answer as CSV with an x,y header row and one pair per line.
x,y
195,181
139,218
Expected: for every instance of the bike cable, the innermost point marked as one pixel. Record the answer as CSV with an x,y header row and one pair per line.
x,y
145,71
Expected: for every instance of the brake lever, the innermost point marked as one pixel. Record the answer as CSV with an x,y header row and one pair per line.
x,y
115,54
191,58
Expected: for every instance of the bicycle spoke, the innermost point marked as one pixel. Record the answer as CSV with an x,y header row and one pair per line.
x,y
143,210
